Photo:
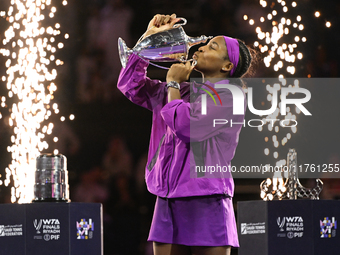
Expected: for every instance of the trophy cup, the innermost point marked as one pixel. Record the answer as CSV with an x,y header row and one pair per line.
x,y
51,179
166,46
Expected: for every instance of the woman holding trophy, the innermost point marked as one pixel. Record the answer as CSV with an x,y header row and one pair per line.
x,y
194,211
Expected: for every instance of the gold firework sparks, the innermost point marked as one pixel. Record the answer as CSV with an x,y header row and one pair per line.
x,y
29,45
282,47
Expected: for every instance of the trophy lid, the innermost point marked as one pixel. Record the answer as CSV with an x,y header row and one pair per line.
x,y
51,161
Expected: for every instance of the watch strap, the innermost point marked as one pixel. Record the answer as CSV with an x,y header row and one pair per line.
x,y
173,84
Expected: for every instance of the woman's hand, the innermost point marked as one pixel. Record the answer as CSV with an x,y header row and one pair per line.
x,y
161,23
179,72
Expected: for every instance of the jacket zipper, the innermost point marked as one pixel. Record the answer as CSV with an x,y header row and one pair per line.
x,y
155,157
172,156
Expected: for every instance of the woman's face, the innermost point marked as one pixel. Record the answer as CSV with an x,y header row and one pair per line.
x,y
211,58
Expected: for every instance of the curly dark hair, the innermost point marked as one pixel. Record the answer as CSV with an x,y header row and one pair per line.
x,y
248,60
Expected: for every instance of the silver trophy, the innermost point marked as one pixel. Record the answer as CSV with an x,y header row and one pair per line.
x,y
291,188
167,46
51,179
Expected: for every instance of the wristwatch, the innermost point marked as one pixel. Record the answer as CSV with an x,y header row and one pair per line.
x,y
173,84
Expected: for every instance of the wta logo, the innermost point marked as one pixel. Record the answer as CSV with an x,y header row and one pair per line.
x,y
281,223
37,225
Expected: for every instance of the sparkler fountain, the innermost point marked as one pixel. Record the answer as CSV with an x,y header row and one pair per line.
x,y
29,46
282,48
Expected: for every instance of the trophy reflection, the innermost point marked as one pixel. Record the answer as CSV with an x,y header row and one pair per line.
x,y
167,46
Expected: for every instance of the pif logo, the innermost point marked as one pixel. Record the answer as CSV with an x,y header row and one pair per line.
x,y
239,98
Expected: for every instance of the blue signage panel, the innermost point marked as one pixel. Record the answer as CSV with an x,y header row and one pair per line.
x,y
12,229
47,228
51,228
289,227
86,229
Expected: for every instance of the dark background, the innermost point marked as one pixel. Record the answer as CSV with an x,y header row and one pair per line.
x,y
107,141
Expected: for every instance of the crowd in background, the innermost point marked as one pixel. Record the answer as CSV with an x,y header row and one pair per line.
x,y
98,64
115,176
116,182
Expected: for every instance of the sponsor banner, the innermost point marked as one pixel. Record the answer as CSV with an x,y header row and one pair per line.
x,y
11,230
253,228
290,227
47,229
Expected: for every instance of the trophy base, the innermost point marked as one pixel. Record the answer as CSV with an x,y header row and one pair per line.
x,y
54,200
123,51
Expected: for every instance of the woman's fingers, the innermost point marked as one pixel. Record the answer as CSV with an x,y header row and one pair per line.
x,y
160,23
152,22
166,19
173,20
179,72
160,20
178,56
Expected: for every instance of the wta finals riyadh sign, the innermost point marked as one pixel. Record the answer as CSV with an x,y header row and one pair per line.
x,y
239,99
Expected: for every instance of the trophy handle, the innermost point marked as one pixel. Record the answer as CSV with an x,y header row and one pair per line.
x,y
174,26
182,24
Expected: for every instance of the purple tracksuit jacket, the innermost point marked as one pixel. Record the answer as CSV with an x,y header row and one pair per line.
x,y
183,142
